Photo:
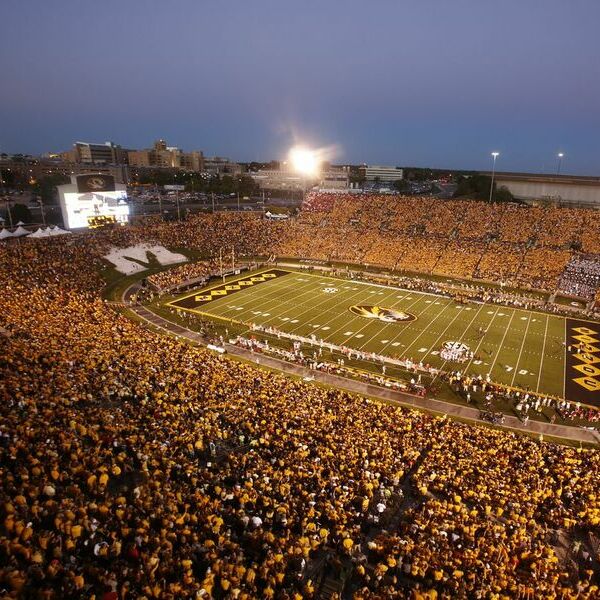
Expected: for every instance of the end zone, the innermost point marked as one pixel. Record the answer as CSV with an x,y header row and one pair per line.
x,y
201,297
582,365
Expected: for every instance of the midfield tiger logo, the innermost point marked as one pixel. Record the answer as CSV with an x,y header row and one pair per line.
x,y
387,315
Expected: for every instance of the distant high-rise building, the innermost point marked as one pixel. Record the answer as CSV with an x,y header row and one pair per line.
x,y
163,156
99,154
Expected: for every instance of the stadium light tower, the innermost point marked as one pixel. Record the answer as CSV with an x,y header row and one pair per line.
x,y
559,156
495,155
305,162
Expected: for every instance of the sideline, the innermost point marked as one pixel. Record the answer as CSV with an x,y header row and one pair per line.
x,y
535,428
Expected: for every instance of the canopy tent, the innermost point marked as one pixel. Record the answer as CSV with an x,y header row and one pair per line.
x,y
19,231
5,234
40,233
56,230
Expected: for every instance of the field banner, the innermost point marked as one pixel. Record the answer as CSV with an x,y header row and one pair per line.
x,y
582,369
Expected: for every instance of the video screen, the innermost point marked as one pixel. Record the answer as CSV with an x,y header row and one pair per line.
x,y
83,210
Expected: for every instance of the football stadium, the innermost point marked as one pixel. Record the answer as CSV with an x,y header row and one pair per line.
x,y
299,300
366,400
521,348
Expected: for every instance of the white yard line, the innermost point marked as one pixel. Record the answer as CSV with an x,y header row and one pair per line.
x,y
405,326
465,369
565,361
502,342
412,323
481,340
347,324
512,383
312,307
277,297
440,313
368,321
448,327
222,303
274,292
537,389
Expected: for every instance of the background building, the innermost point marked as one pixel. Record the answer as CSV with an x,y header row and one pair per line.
x,y
88,153
381,174
163,156
31,169
334,178
555,189
277,179
219,165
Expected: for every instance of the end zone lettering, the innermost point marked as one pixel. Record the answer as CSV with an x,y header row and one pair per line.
x,y
202,297
582,368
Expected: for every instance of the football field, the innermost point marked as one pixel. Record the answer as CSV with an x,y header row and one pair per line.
x,y
519,348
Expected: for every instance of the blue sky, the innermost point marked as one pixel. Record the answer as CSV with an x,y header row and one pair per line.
x,y
424,83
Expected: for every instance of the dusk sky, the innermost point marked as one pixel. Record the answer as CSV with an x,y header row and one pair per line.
x,y
422,83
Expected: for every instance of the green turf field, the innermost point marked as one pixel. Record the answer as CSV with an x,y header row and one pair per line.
x,y
519,348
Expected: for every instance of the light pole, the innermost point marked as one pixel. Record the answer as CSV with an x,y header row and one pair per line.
x,y
6,200
560,157
42,211
494,156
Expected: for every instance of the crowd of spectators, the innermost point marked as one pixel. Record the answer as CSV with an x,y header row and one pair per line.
x,y
542,267
581,277
192,271
133,465
515,244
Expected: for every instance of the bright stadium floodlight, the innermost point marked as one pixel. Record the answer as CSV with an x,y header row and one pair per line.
x,y
304,161
560,157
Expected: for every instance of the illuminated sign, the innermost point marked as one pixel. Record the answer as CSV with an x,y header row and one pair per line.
x,y
96,182
82,210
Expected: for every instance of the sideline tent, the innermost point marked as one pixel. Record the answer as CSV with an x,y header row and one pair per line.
x,y
40,233
5,234
58,231
19,231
